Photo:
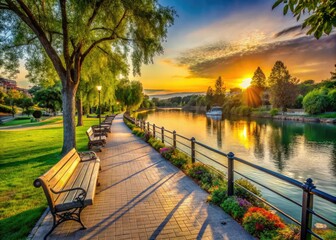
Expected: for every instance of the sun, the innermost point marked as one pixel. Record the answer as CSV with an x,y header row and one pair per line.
x,y
246,83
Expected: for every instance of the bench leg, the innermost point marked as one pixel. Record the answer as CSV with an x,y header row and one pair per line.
x,y
74,215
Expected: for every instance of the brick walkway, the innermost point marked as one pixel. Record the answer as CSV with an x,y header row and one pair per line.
x,y
143,196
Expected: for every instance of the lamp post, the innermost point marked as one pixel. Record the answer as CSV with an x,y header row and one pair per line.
x,y
99,89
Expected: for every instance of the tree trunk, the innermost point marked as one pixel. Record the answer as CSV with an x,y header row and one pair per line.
x,y
79,106
69,129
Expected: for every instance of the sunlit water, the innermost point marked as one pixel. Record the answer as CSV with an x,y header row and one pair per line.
x,y
294,149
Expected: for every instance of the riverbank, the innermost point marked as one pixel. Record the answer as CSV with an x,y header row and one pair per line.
x,y
296,118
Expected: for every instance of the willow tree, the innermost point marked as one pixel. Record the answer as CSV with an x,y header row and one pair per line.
x,y
64,33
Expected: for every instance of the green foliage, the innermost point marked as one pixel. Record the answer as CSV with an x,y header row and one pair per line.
x,y
5,109
321,18
155,143
37,114
180,159
262,223
240,191
316,101
218,195
129,93
282,87
49,97
138,132
332,99
259,79
233,208
274,111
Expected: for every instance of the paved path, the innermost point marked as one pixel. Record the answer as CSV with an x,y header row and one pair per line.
x,y
143,196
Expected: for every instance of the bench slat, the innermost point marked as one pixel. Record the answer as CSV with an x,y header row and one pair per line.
x,y
59,198
63,175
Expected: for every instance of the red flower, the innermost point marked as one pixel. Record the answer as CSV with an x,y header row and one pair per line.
x,y
259,227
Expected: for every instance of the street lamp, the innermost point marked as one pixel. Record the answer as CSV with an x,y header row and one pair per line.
x,y
99,88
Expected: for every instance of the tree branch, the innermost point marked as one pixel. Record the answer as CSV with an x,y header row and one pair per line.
x,y
27,17
29,41
65,34
110,38
94,13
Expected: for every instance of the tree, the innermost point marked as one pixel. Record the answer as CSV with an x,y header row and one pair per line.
x,y
49,98
259,79
219,94
209,96
25,103
12,98
283,88
129,93
321,14
58,36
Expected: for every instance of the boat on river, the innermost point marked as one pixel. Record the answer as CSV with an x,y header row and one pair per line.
x,y
215,112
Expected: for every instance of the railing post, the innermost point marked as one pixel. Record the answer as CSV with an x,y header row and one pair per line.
x,y
174,139
154,130
143,125
162,134
147,126
192,140
230,190
307,203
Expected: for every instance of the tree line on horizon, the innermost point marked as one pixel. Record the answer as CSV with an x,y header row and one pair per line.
x,y
279,91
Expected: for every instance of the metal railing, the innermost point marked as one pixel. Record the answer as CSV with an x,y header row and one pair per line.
x,y
192,147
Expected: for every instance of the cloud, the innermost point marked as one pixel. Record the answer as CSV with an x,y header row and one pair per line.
x,y
295,29
233,60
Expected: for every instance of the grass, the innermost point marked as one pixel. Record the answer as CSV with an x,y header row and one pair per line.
x,y
26,122
24,156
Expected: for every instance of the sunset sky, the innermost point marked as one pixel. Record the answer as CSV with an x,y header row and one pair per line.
x,y
212,38
231,38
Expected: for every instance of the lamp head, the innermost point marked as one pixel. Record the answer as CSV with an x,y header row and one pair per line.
x,y
99,88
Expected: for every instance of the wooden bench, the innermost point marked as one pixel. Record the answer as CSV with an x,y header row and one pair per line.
x,y
94,140
70,186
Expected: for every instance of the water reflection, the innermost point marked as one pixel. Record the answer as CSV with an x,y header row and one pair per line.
x,y
297,150
293,148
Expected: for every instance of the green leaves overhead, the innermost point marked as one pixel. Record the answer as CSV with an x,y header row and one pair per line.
x,y
321,14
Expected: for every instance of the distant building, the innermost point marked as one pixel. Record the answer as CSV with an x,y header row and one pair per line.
x,y
7,84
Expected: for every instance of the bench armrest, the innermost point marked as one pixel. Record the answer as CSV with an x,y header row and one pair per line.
x,y
87,156
80,198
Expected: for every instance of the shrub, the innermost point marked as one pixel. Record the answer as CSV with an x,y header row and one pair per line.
x,y
28,112
180,159
157,144
316,101
147,136
274,111
167,152
197,171
261,223
232,207
218,195
37,114
291,232
240,191
138,132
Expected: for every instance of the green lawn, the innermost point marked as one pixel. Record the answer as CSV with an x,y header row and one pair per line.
x,y
24,156
25,121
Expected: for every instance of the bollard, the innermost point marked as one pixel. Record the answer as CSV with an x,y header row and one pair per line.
x,y
192,140
162,134
230,157
174,139
154,130
307,204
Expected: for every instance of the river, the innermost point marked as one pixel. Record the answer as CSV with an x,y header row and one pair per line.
x,y
294,149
